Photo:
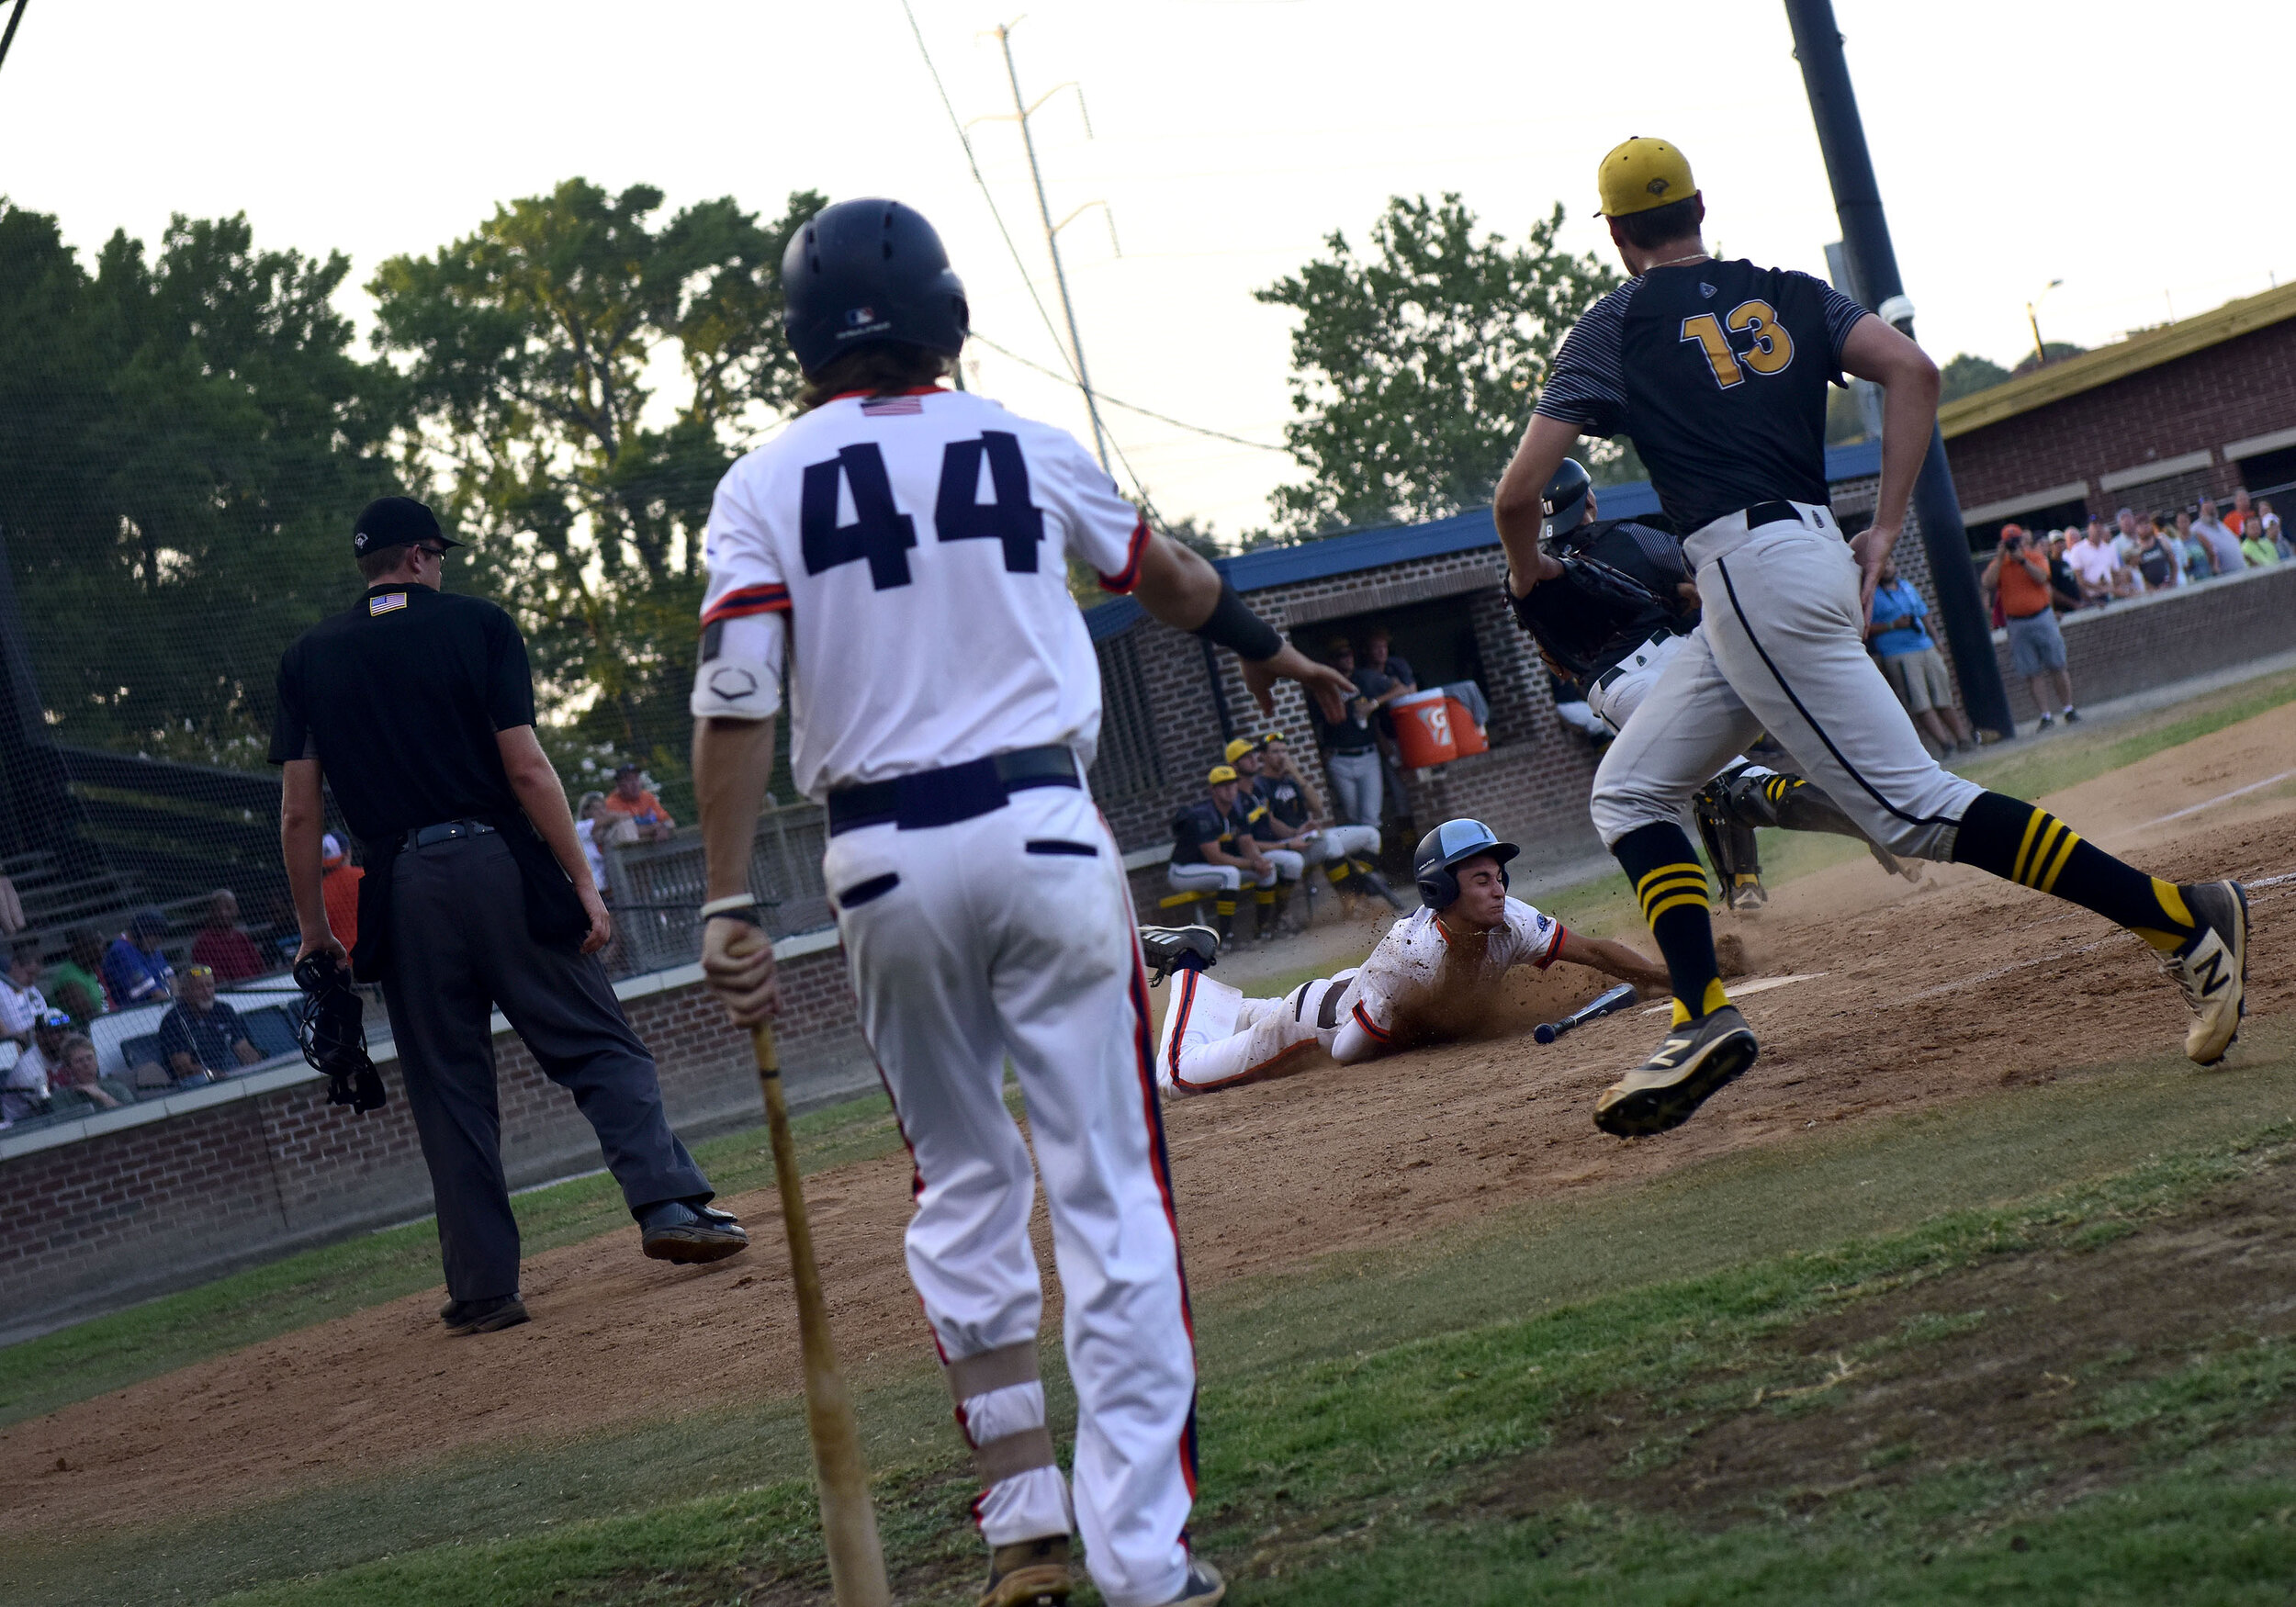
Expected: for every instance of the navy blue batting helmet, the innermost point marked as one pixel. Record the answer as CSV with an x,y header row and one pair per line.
x,y
866,271
1564,501
1443,851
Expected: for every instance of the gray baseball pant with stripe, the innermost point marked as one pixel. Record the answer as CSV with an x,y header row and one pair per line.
x,y
1781,648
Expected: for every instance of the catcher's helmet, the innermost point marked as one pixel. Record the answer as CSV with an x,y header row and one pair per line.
x,y
1564,499
1446,847
866,271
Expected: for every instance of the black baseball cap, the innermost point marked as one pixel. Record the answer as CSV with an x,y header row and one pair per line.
x,y
396,521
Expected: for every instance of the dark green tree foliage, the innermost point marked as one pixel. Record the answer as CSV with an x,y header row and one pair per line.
x,y
187,440
1415,365
1966,374
534,348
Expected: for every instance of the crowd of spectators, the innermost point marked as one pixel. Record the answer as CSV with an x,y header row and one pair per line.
x,y
2137,553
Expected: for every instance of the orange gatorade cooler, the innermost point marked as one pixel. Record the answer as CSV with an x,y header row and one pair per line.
x,y
1465,736
1422,729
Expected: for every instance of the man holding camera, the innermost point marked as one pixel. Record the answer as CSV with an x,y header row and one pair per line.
x,y
419,708
2018,574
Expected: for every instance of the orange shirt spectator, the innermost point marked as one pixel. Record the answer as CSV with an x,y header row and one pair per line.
x,y
631,800
2022,596
339,885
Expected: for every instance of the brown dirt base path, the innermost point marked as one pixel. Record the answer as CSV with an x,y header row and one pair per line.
x,y
1342,1159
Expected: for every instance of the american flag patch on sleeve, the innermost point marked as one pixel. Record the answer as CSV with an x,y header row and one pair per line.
x,y
892,406
388,602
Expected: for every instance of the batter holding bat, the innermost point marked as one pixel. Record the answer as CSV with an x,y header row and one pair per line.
x,y
980,898
1717,371
1434,968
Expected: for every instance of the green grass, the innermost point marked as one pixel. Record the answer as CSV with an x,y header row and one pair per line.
x,y
175,1330
1355,1412
2073,755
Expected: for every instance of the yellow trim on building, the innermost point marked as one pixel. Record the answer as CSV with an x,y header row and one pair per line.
x,y
2073,375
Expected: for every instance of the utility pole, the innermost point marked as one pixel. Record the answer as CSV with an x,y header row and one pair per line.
x,y
1021,111
1873,265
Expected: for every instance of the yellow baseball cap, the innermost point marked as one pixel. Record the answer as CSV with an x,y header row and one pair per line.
x,y
1641,175
1220,772
1240,747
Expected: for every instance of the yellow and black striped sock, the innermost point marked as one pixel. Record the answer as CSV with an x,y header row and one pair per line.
x,y
1265,897
2029,846
1336,872
1670,885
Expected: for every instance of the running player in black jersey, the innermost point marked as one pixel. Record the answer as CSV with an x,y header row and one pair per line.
x,y
1717,370
1617,608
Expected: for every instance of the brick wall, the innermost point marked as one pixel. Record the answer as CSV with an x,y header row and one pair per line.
x,y
131,1211
2241,388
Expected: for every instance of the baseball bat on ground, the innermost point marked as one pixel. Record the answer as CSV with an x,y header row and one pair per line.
x,y
1608,1001
848,1522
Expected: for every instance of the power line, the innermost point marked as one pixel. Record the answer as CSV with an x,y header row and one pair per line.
x,y
1130,407
17,15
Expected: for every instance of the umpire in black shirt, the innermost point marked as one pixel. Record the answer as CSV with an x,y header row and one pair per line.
x,y
419,708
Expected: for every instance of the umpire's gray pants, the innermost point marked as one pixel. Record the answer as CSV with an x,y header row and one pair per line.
x,y
1356,786
459,951
1781,648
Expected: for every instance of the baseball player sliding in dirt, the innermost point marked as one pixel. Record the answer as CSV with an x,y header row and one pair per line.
x,y
1434,971
1613,616
1719,371
980,897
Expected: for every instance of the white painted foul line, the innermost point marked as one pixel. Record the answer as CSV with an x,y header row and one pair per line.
x,y
1740,990
2220,797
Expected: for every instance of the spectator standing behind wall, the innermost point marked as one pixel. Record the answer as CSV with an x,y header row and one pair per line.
x,y
1351,748
135,972
1911,663
202,1038
2224,554
339,890
632,801
222,947
2159,562
2200,563
2019,576
2097,567
76,986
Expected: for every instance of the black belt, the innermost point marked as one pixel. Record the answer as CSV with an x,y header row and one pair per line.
x,y
422,836
960,792
1762,513
1617,670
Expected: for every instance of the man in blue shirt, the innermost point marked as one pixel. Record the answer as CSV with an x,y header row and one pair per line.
x,y
202,1037
1915,669
134,969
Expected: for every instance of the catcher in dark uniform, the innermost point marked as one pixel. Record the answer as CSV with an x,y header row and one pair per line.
x,y
1613,618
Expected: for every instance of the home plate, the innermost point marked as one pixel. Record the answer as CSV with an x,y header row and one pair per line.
x,y
1740,990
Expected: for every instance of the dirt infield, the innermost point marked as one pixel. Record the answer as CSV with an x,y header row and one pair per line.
x,y
1915,994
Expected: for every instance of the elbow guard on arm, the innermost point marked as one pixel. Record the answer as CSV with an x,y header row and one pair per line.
x,y
739,674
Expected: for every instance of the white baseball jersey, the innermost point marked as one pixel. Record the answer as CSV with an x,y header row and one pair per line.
x,y
1404,971
918,548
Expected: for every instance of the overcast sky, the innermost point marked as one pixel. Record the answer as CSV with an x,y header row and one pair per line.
x,y
2118,147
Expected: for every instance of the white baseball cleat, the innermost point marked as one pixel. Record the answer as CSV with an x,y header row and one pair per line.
x,y
2212,969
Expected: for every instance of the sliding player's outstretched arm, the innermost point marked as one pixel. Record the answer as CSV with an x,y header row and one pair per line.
x,y
1614,960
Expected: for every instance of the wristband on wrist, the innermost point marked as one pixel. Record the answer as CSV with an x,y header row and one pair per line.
x,y
1234,626
739,906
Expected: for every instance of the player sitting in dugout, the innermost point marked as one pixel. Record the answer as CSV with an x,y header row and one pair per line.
x,y
1433,967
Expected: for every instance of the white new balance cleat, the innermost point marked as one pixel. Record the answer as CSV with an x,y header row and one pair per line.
x,y
2212,969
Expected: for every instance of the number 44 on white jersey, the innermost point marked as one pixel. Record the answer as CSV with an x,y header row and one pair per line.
x,y
915,548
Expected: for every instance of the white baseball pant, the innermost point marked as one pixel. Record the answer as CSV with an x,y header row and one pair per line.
x,y
1012,935
1339,842
1215,1038
1781,648
1200,877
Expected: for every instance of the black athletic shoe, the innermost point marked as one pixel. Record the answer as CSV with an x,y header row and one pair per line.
x,y
483,1316
688,1232
2048,722
1028,1573
2072,716
1171,949
1697,1060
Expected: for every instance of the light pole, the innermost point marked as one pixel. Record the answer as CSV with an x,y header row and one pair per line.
x,y
2041,353
1874,267
1020,112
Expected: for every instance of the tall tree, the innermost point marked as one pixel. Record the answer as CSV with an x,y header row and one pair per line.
x,y
187,439
1415,365
536,345
1966,374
